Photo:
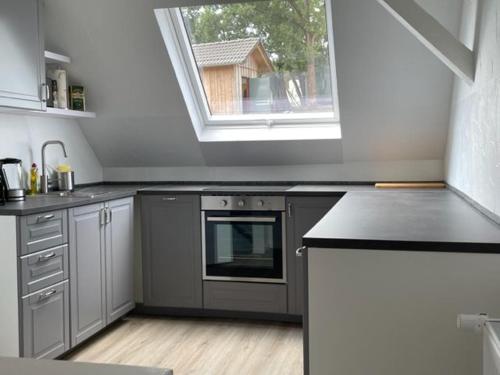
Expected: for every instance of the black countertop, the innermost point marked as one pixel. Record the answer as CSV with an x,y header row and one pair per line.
x,y
50,202
365,218
437,220
104,192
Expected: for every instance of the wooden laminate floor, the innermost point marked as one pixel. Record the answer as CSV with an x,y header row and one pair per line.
x,y
199,346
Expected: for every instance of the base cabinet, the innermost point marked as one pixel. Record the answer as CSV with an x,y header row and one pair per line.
x,y
171,234
101,266
45,322
303,214
42,285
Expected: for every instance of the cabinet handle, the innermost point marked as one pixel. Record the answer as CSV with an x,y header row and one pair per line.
x,y
300,251
43,258
47,294
289,210
45,92
169,199
45,217
102,216
109,215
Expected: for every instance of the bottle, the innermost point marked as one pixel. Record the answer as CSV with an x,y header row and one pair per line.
x,y
33,179
55,101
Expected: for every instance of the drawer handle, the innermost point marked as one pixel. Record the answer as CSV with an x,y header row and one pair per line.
x,y
170,199
46,217
47,294
43,258
300,251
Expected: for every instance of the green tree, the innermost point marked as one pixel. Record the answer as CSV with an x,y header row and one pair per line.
x,y
293,32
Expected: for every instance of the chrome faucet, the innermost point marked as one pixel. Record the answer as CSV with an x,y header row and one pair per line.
x,y
44,183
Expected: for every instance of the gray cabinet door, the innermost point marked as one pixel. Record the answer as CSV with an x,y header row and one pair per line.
x,y
303,213
119,258
46,322
171,234
87,271
22,65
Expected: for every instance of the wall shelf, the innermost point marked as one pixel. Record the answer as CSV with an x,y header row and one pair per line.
x,y
51,112
68,113
55,58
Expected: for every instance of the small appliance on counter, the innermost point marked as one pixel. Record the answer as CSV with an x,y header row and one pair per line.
x,y
12,179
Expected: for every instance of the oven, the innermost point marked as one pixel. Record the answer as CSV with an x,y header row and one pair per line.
x,y
243,238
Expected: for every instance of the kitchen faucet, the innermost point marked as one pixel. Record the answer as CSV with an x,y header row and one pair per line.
x,y
44,183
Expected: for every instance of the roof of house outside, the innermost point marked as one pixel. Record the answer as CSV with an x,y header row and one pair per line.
x,y
229,52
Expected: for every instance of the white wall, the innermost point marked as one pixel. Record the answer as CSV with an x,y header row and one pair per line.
x,y
413,170
394,99
473,154
22,137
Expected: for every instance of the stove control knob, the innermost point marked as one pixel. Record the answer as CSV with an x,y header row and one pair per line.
x,y
241,203
223,203
260,203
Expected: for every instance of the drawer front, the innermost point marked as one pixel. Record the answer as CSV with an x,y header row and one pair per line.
x,y
251,297
43,231
44,268
46,322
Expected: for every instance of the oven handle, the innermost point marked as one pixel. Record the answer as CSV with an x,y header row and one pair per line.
x,y
243,219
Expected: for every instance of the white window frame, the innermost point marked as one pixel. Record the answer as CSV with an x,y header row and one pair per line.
x,y
251,127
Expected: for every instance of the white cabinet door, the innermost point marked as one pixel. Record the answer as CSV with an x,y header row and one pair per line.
x,y
22,65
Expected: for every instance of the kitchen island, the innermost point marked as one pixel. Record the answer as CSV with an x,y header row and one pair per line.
x,y
387,274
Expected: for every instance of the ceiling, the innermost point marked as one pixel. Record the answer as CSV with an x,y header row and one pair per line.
x,y
394,94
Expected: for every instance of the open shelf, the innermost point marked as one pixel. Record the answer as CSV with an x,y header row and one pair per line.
x,y
55,58
68,113
50,112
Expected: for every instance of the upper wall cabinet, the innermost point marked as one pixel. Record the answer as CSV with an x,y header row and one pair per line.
x,y
22,66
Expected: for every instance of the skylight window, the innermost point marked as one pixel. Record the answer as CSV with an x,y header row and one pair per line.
x,y
258,63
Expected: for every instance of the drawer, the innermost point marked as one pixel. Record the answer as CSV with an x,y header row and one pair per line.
x,y
44,268
45,329
251,297
43,231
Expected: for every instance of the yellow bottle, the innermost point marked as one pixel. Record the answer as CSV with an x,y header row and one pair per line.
x,y
33,179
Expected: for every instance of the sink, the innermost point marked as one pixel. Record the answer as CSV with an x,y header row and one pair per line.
x,y
74,194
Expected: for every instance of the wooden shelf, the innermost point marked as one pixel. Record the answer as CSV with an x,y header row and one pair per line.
x,y
55,58
51,112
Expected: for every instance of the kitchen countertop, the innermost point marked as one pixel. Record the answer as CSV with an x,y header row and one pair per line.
x,y
104,192
50,202
366,217
280,189
437,220
24,366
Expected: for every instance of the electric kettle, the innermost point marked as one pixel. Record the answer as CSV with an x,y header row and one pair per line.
x,y
12,179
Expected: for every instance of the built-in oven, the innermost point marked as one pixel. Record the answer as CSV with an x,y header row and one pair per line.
x,y
243,238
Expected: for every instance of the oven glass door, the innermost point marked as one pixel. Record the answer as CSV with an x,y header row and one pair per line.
x,y
244,245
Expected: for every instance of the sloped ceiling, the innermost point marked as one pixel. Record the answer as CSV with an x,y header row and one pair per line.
x,y
394,94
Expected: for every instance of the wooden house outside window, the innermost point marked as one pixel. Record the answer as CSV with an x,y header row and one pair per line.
x,y
227,70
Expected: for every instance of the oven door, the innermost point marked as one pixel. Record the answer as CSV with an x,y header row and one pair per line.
x,y
244,246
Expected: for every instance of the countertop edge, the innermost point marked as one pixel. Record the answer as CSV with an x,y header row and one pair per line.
x,y
395,245
65,205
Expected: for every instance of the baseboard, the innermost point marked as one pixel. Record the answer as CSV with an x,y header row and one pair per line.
x,y
141,309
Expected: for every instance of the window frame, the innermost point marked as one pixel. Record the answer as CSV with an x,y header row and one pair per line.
x,y
181,54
